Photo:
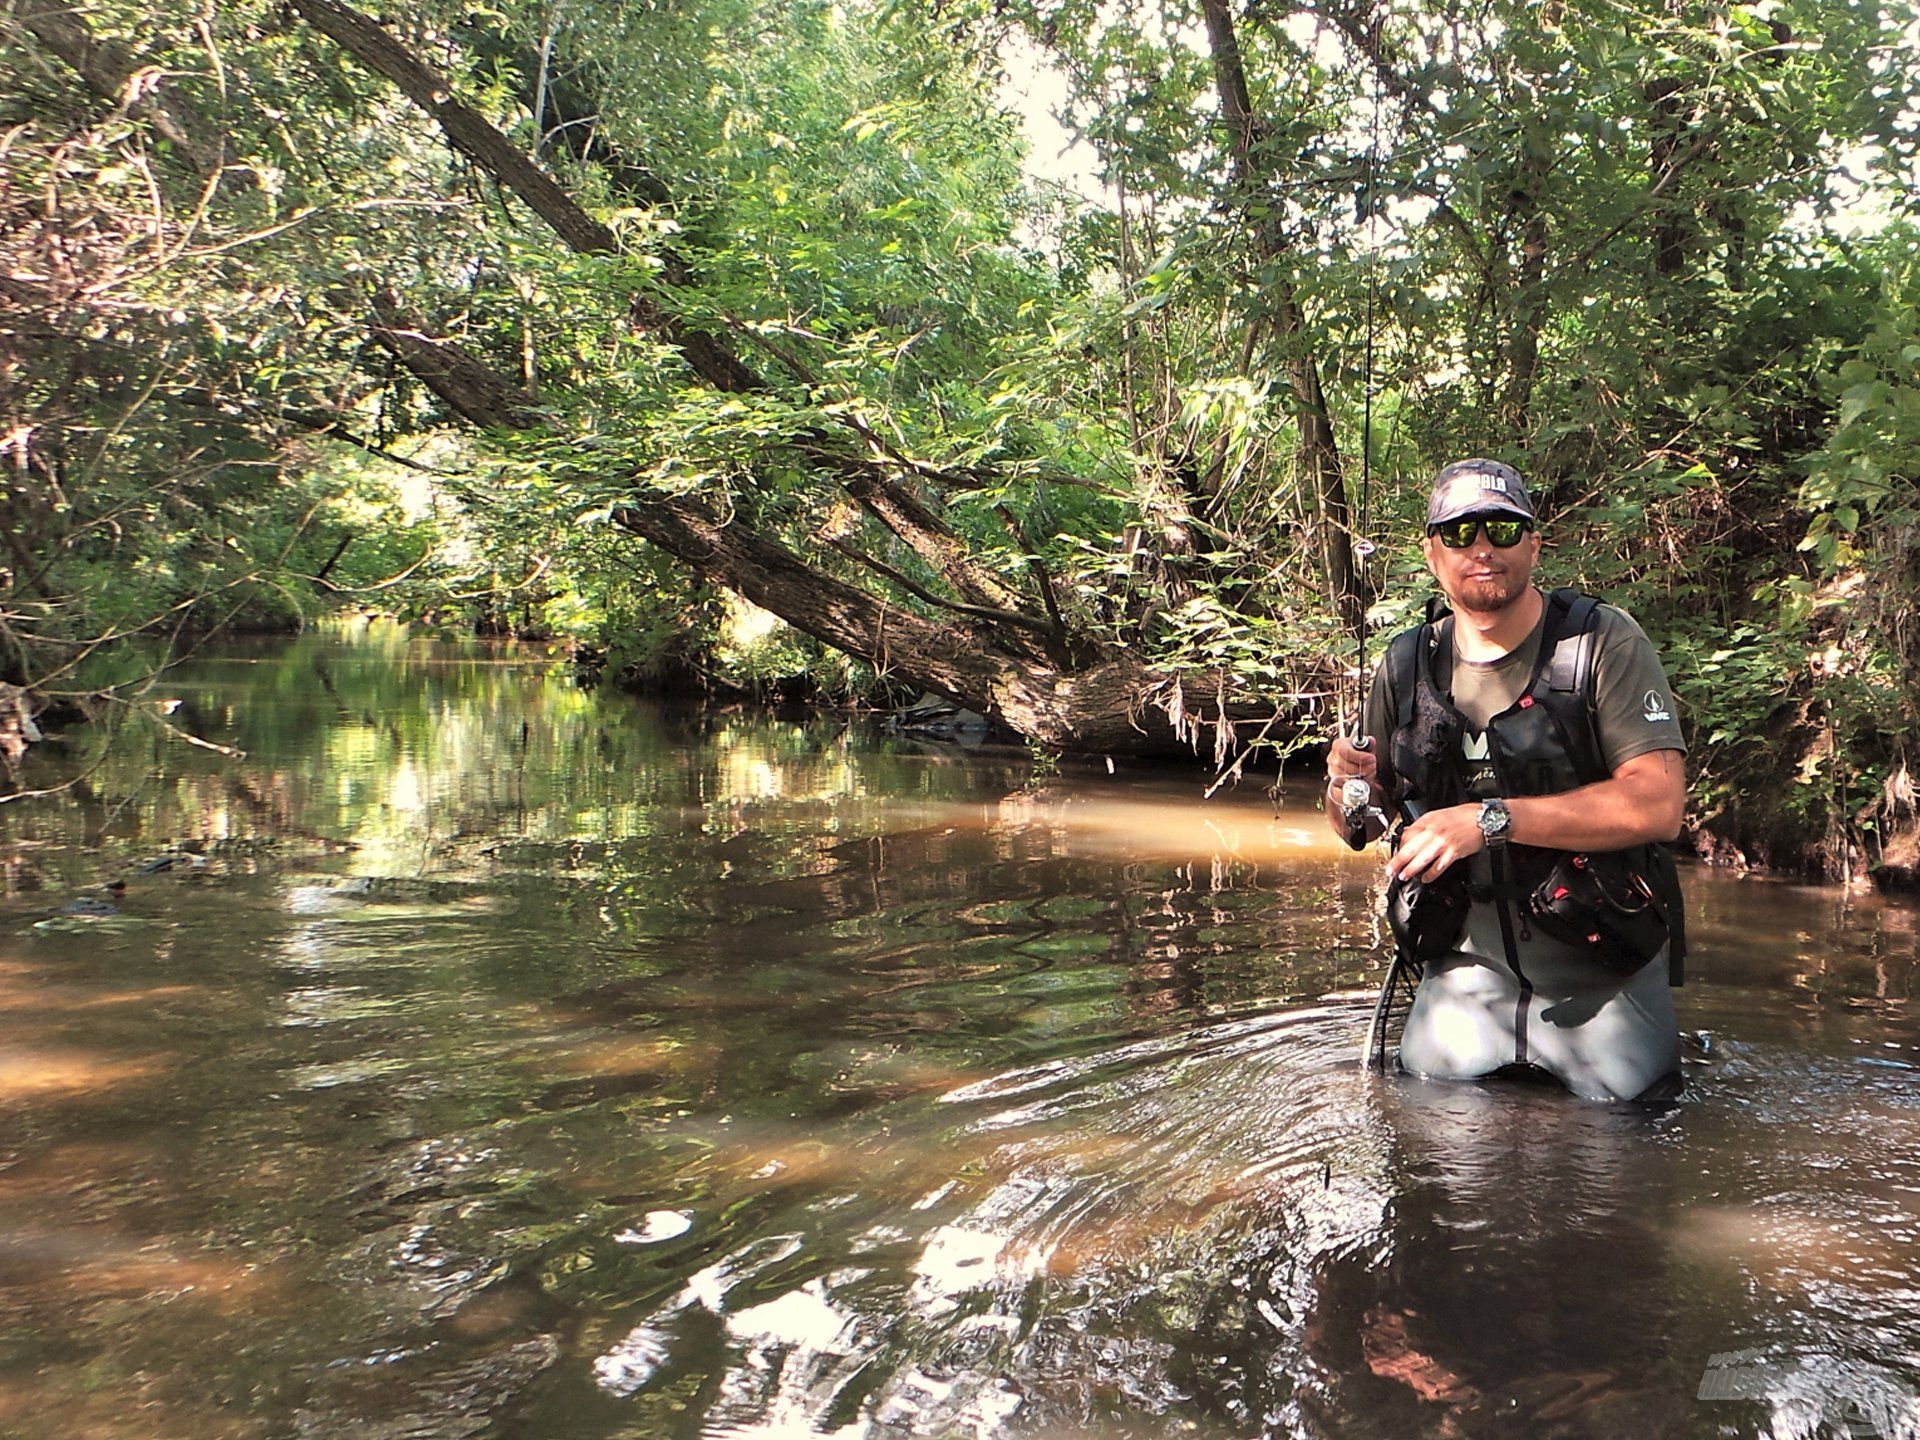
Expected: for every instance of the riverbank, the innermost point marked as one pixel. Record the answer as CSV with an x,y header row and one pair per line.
x,y
1759,826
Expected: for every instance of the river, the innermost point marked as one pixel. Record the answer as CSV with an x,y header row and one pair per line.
x,y
480,1056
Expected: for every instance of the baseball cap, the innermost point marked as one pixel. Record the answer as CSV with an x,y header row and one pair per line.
x,y
1474,487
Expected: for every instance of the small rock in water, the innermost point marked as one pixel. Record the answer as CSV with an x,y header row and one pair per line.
x,y
100,904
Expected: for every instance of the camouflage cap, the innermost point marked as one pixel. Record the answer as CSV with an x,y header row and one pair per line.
x,y
1474,487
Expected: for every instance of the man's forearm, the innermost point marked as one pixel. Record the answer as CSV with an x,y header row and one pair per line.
x,y
1647,801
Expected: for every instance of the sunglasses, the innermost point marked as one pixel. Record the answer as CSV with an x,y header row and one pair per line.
x,y
1501,531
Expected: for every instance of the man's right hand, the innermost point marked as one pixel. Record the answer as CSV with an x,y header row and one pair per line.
x,y
1347,761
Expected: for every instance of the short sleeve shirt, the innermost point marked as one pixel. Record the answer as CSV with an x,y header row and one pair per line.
x,y
1634,709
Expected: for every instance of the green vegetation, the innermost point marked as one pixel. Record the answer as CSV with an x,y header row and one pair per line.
x,y
580,318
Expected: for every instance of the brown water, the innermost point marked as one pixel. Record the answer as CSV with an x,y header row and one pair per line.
x,y
512,1061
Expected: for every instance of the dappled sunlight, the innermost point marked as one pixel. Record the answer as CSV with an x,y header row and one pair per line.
x,y
31,1073
1796,1246
27,990
88,1266
76,1409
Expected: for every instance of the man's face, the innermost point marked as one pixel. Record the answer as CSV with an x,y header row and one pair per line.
x,y
1481,577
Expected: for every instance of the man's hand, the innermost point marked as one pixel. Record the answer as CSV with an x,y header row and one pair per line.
x,y
1435,841
1346,761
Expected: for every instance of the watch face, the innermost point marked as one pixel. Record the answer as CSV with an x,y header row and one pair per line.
x,y
1494,819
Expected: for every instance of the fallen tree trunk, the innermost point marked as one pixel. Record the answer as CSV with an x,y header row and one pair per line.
x,y
986,653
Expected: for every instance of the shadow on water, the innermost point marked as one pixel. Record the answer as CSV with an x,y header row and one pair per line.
x,y
489,1058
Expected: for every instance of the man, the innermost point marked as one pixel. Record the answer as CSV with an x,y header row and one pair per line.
x,y
1529,744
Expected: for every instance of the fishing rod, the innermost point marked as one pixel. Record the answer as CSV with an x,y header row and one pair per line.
x,y
1356,795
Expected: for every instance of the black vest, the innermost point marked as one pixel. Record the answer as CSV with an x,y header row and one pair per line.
x,y
1543,744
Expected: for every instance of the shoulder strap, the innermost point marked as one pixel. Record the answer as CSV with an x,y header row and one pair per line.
x,y
1568,653
1406,653
1552,629
1571,666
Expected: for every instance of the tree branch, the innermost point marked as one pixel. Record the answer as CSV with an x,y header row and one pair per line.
x,y
890,502
920,592
110,72
1042,579
1659,187
466,130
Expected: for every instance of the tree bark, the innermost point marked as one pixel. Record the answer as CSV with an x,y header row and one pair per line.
x,y
1531,296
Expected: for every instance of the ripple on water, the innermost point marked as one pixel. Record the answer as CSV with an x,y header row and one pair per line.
x,y
1115,1164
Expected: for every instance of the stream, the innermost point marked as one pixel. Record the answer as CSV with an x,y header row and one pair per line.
x,y
483,1056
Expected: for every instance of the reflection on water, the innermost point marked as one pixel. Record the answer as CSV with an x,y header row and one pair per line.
x,y
483,1057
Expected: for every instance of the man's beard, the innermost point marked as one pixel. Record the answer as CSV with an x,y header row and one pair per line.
x,y
1489,596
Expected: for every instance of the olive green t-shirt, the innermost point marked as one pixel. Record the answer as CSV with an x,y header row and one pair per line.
x,y
1633,705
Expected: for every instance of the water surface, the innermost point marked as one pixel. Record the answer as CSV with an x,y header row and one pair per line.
x,y
484,1057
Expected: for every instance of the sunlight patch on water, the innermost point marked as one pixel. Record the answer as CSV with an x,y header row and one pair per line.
x,y
1174,827
26,990
43,1073
345,1072
90,1265
655,1227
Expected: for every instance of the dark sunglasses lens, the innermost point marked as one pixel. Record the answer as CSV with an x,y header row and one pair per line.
x,y
1458,534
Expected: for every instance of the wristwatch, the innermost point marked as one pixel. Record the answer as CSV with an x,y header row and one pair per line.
x,y
1495,821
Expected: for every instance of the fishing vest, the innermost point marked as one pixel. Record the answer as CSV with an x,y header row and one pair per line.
x,y
1545,743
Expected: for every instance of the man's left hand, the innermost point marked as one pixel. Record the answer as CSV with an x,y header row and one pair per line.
x,y
1435,841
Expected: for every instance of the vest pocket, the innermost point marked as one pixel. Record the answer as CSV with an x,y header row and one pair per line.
x,y
1427,919
1603,907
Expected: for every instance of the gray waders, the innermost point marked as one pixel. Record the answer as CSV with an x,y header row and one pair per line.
x,y
1508,995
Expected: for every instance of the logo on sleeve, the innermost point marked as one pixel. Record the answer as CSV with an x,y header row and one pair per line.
x,y
1654,707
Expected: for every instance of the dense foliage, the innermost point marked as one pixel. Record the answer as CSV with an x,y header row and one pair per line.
x,y
667,302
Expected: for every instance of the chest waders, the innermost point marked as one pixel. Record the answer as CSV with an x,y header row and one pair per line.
x,y
1530,956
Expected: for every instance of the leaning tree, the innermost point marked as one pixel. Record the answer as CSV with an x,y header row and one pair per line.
x,y
758,284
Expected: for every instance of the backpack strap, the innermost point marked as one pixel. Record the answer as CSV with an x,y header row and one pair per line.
x,y
1571,668
1402,663
1569,653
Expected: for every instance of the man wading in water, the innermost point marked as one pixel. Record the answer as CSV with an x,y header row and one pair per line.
x,y
1529,747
